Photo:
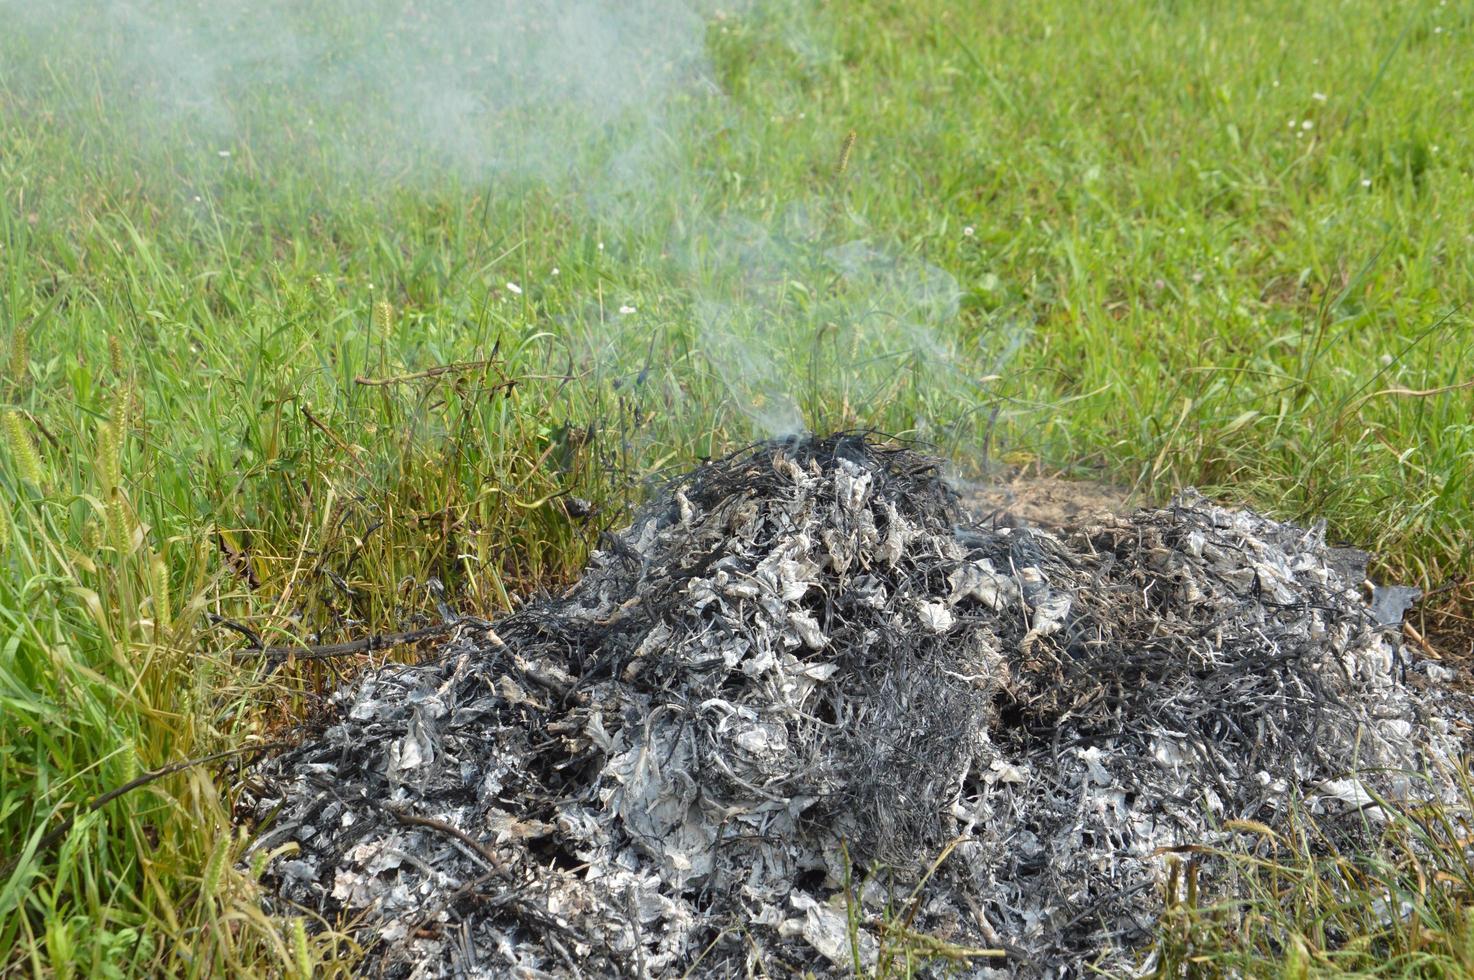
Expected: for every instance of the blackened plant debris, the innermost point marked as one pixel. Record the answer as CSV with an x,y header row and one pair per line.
x,y
803,666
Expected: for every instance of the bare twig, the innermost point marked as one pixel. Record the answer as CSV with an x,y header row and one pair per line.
x,y
53,836
1400,392
322,427
1412,633
433,372
409,819
41,427
240,628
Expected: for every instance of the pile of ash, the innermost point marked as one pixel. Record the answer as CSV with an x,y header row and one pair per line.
x,y
742,741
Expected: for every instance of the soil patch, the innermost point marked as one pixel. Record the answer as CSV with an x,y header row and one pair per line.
x,y
1048,502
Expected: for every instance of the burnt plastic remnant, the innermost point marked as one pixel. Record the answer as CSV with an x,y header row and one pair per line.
x,y
802,666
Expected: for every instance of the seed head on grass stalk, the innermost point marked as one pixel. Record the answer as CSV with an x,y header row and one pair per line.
x,y
844,153
300,950
91,537
381,322
124,401
115,355
119,524
159,575
20,357
215,869
109,457
383,318
128,757
27,459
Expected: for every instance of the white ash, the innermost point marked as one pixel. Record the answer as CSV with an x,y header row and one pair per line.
x,y
803,667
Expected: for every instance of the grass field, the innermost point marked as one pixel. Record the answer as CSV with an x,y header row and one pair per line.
x,y
1160,243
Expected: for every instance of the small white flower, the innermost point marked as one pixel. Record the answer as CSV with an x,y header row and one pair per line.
x,y
601,246
626,310
222,153
1437,30
1307,125
1434,148
1292,124
555,271
197,199
514,289
1366,182
969,231
1276,83
1318,96
1386,360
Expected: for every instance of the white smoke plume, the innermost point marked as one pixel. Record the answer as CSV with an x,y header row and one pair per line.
x,y
802,320
423,87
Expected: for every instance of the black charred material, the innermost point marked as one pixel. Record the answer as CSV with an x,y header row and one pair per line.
x,y
802,665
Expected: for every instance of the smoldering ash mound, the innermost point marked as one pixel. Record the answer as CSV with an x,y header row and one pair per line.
x,y
741,742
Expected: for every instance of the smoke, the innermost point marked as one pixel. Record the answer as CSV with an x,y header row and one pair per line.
x,y
807,330
800,319
423,88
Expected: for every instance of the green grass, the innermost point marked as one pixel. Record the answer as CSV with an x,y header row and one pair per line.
x,y
1292,904
1222,245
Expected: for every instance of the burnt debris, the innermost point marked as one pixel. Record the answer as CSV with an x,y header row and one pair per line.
x,y
741,742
